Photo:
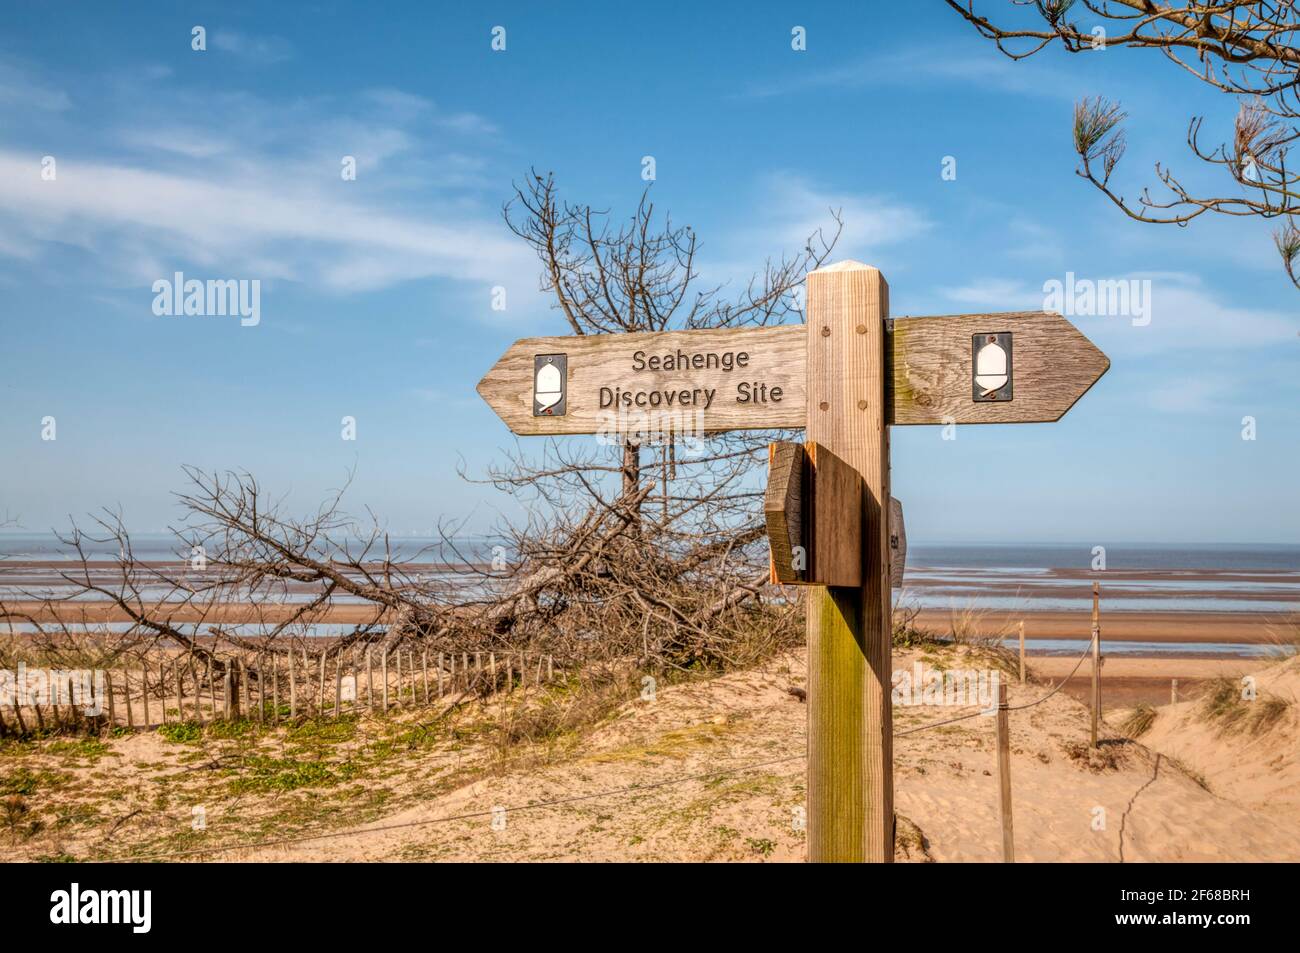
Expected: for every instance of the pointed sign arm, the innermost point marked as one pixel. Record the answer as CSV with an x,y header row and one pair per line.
x,y
712,380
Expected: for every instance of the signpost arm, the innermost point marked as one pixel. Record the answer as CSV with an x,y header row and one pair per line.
x,y
850,722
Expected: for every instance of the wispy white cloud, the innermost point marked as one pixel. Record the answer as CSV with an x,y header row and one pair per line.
x,y
265,49
1185,314
19,89
788,209
250,222
1189,395
256,190
797,207
1189,315
995,294
192,143
1032,241
914,65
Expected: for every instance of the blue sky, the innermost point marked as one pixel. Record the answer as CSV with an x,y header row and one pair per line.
x,y
376,292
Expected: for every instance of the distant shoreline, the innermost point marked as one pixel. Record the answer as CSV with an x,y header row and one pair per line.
x,y
1162,627
1249,628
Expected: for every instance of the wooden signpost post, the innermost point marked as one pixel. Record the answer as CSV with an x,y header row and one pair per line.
x,y
845,377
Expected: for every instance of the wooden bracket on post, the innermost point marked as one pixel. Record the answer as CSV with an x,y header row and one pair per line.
x,y
807,481
783,510
809,491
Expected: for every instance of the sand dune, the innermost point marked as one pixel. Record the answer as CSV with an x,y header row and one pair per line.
x,y
1128,802
707,770
1261,771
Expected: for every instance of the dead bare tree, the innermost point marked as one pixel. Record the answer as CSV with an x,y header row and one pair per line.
x,y
1245,48
664,548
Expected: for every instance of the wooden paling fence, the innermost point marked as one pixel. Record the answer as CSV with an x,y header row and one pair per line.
x,y
266,687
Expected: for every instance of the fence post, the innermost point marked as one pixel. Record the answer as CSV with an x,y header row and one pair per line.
x,y
18,709
370,678
180,691
1004,775
440,691
1096,661
1173,691
20,696
126,692
112,709
399,677
58,688
212,688
212,685
338,683
40,717
424,667
261,687
162,689
202,676
320,696
383,671
228,691
1022,651
355,670
144,686
221,710
198,688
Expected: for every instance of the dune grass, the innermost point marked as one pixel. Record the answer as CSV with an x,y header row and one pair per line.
x,y
1224,705
1138,722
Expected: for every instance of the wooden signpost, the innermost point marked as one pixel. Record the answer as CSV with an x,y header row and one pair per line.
x,y
845,377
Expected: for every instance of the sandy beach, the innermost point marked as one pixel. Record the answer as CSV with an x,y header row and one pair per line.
x,y
1171,627
1252,628
1262,628
1130,681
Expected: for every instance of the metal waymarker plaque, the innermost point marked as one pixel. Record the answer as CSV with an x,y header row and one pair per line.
x,y
991,371
550,384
